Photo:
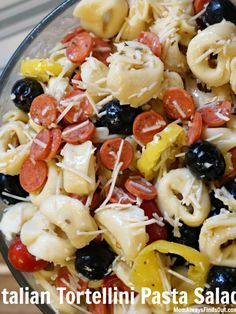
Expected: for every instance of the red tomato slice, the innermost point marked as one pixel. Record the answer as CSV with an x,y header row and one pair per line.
x,y
79,133
33,174
195,128
55,143
120,196
109,151
79,48
21,259
43,110
71,34
178,104
81,111
102,49
40,147
146,125
140,187
152,41
199,5
155,231
216,114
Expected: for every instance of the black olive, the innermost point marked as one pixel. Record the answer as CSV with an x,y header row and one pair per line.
x,y
94,260
24,91
11,185
216,11
216,205
223,278
205,161
188,236
231,187
118,118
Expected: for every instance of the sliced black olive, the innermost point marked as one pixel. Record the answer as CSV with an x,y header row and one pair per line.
x,y
205,161
217,11
223,278
24,91
216,205
94,260
118,118
188,236
11,185
231,187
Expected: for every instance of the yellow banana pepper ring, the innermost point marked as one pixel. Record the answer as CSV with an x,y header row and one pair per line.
x,y
40,69
147,269
170,140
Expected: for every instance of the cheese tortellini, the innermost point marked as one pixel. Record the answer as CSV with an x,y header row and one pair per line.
x,y
202,98
125,229
135,74
14,147
216,40
223,138
15,216
53,185
106,18
78,167
181,195
43,241
137,21
217,239
15,115
72,217
233,75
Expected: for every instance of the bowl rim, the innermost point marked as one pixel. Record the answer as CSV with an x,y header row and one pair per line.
x,y
21,280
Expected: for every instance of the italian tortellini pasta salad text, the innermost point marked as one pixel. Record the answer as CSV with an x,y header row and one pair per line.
x,y
118,163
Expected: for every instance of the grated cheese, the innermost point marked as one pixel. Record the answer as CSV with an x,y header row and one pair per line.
x,y
140,186
154,127
178,108
23,199
91,232
77,127
83,176
174,273
221,116
204,55
39,143
195,17
210,139
92,103
65,111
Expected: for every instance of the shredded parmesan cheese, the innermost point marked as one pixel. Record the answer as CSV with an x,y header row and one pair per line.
x,y
16,197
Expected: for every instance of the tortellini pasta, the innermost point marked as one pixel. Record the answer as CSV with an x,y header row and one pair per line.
x,y
223,138
201,98
42,240
181,195
217,239
53,185
137,21
72,217
14,147
125,229
79,168
94,76
107,16
132,69
15,115
57,87
216,40
233,75
15,216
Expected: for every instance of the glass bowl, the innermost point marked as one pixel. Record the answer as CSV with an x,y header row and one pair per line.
x,y
42,38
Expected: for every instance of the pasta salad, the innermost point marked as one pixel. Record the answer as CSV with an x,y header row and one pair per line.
x,y
118,163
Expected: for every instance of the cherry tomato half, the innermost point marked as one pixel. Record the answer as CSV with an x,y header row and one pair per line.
x,y
21,259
